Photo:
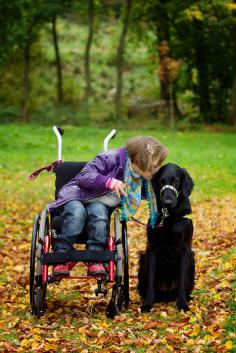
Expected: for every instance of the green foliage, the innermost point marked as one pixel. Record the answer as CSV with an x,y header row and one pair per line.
x,y
206,50
10,20
212,167
43,104
199,36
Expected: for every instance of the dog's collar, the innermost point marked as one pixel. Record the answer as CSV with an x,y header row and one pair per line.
x,y
171,187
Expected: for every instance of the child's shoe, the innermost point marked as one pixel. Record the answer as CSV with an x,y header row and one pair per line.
x,y
96,269
61,270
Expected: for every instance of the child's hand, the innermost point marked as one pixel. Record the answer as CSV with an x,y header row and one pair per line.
x,y
118,187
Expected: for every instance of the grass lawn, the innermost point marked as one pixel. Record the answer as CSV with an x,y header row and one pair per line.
x,y
208,157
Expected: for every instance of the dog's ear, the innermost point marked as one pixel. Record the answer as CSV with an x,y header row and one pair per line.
x,y
155,179
157,175
187,182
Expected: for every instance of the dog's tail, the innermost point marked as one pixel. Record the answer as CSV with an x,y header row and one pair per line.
x,y
142,275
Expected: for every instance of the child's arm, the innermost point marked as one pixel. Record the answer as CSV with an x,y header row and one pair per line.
x,y
96,173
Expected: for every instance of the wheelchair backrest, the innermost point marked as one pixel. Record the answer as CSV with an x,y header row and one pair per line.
x,y
65,172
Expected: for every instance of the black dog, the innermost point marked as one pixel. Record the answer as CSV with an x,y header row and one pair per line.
x,y
166,269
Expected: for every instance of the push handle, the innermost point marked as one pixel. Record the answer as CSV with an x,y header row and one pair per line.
x,y
59,132
109,137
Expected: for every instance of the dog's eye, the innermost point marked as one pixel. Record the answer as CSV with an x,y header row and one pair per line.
x,y
173,180
162,181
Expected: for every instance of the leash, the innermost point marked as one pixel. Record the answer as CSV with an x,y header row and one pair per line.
x,y
139,222
165,214
146,225
164,211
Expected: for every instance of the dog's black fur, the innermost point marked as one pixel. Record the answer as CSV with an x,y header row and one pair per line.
x,y
167,268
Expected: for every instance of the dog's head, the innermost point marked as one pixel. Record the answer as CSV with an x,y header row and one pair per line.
x,y
172,186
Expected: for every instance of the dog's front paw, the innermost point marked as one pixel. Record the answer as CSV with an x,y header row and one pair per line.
x,y
145,308
183,306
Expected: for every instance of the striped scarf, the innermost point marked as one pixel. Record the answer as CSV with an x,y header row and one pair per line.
x,y
131,202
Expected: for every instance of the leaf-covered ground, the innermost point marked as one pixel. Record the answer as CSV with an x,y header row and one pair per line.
x,y
75,320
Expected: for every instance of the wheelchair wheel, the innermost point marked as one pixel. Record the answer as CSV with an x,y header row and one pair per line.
x,y
126,263
38,287
120,290
33,255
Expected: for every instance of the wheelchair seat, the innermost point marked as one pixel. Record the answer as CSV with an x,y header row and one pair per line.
x,y
65,172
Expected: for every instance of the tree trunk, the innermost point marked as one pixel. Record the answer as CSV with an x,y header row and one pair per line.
x,y
204,96
120,60
177,112
87,73
203,73
163,35
26,82
58,61
234,78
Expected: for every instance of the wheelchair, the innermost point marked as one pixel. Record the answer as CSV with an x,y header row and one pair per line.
x,y
46,229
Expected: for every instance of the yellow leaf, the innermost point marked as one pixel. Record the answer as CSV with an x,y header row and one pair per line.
x,y
164,341
37,331
228,344
104,325
35,345
49,346
194,13
198,316
22,306
193,320
196,330
217,296
164,314
232,6
190,342
82,330
83,338
24,343
207,338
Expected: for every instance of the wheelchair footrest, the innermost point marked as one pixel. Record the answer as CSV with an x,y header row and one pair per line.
x,y
78,255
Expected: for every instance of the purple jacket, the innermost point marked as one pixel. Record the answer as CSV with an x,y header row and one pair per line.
x,y
91,181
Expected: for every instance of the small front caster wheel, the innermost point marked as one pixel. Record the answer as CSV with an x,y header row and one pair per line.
x,y
112,310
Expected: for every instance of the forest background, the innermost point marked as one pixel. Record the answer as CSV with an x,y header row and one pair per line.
x,y
170,63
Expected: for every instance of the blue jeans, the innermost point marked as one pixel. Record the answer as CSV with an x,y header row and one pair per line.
x,y
77,216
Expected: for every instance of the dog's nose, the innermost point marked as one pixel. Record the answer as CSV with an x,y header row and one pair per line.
x,y
167,202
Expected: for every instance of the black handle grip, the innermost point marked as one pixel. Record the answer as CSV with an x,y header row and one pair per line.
x,y
61,131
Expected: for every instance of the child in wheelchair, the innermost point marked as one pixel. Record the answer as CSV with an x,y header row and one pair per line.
x,y
115,178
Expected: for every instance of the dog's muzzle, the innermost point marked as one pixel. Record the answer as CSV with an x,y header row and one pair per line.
x,y
171,187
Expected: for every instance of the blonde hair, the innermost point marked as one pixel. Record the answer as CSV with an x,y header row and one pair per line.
x,y
144,150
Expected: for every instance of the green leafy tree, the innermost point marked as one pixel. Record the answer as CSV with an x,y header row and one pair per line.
x,y
10,19
232,7
199,36
21,31
202,32
120,58
157,16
